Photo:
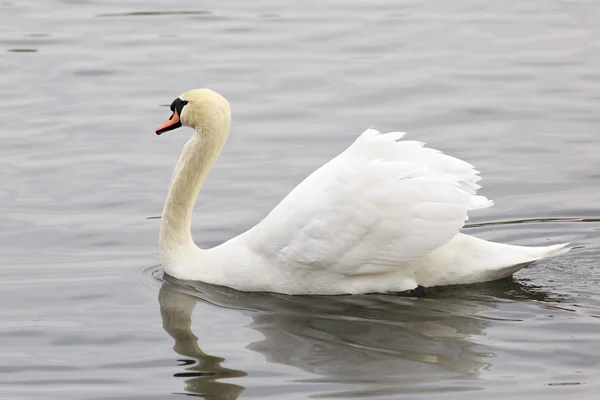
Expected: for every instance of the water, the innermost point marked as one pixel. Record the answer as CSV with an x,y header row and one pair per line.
x,y
86,313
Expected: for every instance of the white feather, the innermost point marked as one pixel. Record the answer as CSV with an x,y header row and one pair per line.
x,y
382,216
380,204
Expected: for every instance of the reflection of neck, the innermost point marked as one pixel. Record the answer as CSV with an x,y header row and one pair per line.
x,y
198,156
176,310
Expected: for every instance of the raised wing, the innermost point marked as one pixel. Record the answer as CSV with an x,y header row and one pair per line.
x,y
380,204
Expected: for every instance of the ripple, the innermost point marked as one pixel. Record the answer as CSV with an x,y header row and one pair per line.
x,y
531,221
565,383
94,72
150,276
23,50
151,13
514,95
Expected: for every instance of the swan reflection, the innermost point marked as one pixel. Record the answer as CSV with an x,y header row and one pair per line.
x,y
366,345
203,370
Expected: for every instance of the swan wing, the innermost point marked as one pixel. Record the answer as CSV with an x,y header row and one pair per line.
x,y
378,205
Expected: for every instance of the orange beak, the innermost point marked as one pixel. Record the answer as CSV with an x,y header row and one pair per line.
x,y
170,124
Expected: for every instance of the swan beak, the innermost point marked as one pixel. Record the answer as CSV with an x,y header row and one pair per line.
x,y
170,124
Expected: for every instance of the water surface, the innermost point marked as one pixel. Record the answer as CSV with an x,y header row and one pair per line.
x,y
511,87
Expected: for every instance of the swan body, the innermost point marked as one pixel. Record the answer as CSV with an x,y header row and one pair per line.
x,y
383,216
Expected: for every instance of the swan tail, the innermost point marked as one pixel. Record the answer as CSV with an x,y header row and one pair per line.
x,y
525,256
511,256
519,257
537,253
477,260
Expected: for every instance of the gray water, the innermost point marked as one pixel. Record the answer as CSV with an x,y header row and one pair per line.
x,y
86,313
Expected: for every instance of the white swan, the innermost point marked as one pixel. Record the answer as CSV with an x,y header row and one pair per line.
x,y
383,216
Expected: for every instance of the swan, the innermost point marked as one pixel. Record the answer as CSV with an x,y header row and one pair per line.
x,y
382,216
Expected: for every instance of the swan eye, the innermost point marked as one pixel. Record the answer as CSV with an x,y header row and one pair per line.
x,y
178,105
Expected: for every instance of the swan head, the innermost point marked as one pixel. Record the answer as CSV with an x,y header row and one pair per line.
x,y
198,109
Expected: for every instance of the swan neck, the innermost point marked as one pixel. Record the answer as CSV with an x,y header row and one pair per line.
x,y
197,158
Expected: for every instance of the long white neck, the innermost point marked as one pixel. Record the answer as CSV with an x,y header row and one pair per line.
x,y
198,156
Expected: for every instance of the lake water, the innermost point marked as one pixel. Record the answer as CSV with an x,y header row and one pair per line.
x,y
513,87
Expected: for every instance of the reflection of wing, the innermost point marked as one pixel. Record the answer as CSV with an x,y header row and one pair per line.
x,y
368,344
381,203
377,342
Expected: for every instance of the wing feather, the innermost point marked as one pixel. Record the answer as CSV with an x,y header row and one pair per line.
x,y
380,204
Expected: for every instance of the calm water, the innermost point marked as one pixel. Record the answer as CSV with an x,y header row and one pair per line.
x,y
86,313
